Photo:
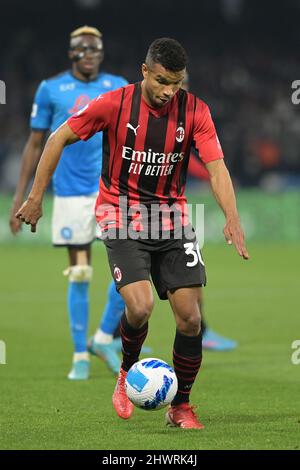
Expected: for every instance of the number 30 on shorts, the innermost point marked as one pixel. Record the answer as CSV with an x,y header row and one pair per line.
x,y
190,250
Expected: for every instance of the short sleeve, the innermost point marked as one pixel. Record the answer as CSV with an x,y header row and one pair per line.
x,y
41,114
92,118
204,135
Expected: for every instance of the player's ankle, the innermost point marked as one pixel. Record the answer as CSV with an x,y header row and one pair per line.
x,y
82,356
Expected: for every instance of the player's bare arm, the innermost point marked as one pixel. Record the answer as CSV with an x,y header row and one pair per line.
x,y
31,210
30,158
224,193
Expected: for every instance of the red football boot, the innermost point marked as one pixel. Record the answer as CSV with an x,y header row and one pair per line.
x,y
183,416
121,402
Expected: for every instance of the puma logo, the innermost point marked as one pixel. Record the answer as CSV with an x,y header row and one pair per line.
x,y
134,129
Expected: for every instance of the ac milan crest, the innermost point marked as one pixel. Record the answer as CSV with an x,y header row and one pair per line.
x,y
117,274
179,134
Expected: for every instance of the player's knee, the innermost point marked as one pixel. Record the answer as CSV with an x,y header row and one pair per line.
x,y
141,310
79,273
189,324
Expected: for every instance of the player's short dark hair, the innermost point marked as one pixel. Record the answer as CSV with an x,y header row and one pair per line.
x,y
167,52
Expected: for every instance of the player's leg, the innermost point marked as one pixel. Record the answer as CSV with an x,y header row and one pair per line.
x,y
138,297
101,344
73,226
132,280
79,274
106,342
178,272
117,343
112,314
187,345
187,354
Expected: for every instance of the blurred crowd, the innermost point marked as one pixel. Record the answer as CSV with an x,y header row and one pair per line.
x,y
247,86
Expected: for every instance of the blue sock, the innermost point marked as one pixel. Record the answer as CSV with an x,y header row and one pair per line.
x,y
113,310
78,305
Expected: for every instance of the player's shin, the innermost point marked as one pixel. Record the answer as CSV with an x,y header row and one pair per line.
x,y
132,342
101,344
113,311
78,306
187,357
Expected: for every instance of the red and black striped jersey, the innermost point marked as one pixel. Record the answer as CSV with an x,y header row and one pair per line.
x,y
145,150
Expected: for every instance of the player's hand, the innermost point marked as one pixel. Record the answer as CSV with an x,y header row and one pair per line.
x,y
30,213
14,223
234,235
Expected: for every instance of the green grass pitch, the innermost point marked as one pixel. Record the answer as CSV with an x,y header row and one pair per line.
x,y
248,398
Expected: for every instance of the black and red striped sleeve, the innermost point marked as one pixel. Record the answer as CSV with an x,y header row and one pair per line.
x,y
204,134
94,117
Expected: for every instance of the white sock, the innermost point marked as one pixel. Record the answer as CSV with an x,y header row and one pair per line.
x,y
102,338
83,356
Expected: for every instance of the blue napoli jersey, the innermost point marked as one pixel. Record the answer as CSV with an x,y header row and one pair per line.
x,y
55,101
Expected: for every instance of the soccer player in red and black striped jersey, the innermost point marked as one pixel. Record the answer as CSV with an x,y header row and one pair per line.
x,y
149,129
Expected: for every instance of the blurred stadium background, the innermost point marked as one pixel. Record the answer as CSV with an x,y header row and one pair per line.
x,y
244,56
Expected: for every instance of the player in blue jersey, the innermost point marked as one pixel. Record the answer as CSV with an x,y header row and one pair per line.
x,y
75,185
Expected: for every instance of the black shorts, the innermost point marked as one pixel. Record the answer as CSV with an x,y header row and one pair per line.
x,y
172,263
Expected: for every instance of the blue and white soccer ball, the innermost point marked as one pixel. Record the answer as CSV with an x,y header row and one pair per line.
x,y
151,384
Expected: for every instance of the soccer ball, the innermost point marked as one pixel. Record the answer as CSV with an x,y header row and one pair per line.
x,y
151,384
